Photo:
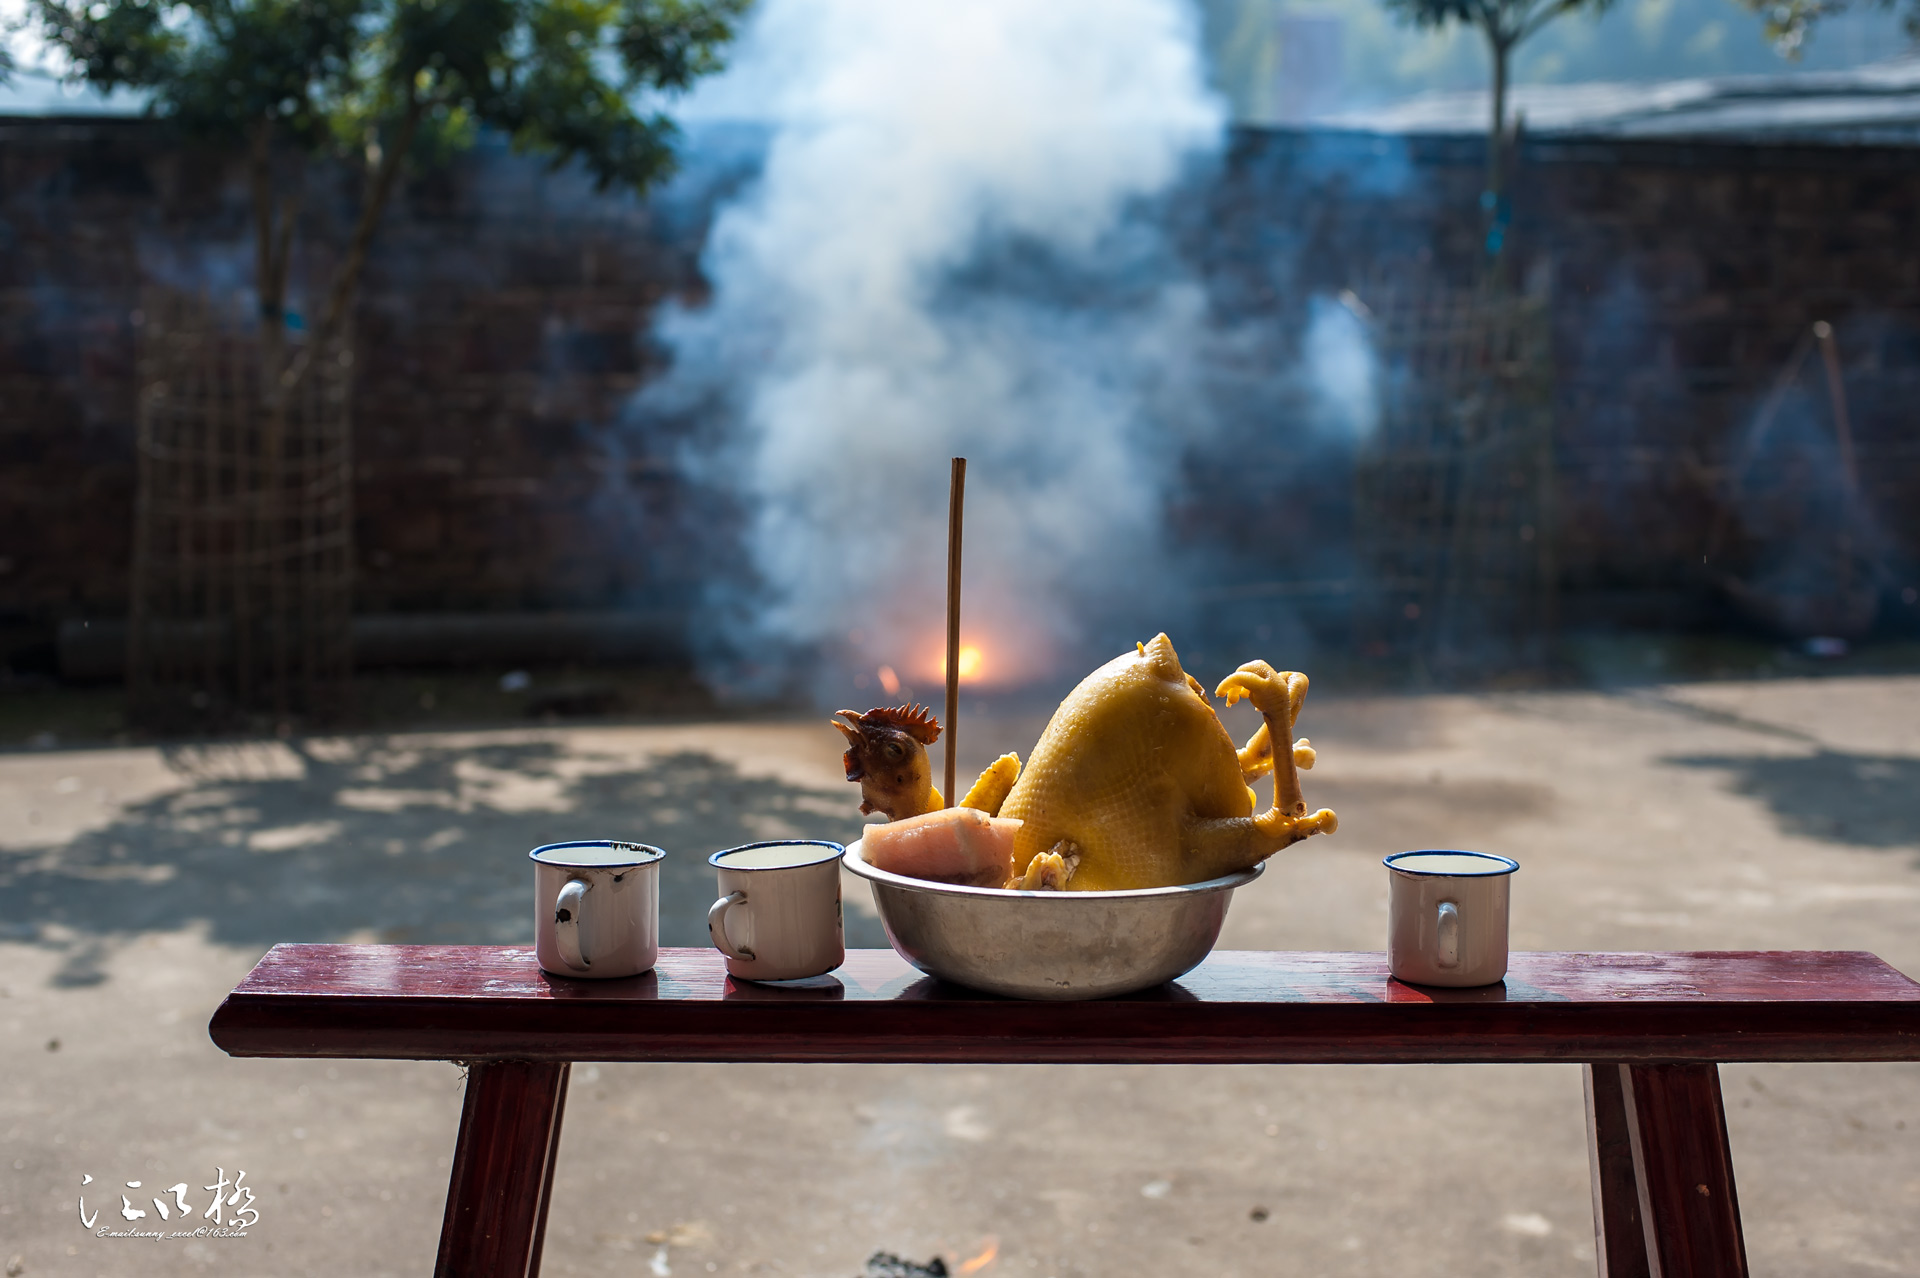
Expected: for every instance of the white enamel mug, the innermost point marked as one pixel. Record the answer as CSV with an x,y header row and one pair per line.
x,y
778,917
596,908
1447,916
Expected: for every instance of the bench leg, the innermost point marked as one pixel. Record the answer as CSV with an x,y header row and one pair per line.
x,y
1619,1238
1683,1170
546,1179
502,1170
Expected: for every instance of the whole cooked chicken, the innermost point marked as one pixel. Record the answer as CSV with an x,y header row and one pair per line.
x,y
1136,784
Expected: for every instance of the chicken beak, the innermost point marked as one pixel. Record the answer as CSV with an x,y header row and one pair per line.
x,y
851,759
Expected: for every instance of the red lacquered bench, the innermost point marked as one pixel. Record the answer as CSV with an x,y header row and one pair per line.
x,y
1650,1029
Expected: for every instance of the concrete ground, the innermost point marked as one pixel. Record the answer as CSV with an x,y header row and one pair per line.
x,y
138,884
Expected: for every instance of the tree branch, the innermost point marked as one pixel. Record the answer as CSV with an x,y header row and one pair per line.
x,y
346,280
260,174
1544,16
283,248
270,247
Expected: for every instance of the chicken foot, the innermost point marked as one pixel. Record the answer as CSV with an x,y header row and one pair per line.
x,y
1224,845
1256,757
1050,871
991,790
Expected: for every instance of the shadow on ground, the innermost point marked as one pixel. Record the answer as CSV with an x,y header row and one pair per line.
x,y
1864,799
390,840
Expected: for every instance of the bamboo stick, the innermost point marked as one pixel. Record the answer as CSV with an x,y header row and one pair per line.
x,y
956,504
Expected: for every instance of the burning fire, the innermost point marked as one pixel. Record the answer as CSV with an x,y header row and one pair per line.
x,y
971,663
1000,657
972,668
992,1247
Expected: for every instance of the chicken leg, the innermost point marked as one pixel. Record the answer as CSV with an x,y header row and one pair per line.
x,y
1226,844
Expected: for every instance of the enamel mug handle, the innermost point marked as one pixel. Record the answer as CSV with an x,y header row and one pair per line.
x,y
717,926
1448,933
569,931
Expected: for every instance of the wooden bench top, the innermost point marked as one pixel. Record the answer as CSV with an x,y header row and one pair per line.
x,y
439,1002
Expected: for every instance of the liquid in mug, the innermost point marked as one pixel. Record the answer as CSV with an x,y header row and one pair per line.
x,y
1449,863
594,854
781,857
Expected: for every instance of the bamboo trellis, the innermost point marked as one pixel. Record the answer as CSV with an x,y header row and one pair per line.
x,y
242,571
1454,489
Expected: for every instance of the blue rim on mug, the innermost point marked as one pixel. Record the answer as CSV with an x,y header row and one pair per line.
x,y
839,850
642,854
1500,864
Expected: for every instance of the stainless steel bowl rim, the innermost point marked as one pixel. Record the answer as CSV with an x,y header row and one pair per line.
x,y
856,861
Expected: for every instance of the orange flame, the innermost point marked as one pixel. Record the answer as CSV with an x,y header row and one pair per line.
x,y
992,1248
971,663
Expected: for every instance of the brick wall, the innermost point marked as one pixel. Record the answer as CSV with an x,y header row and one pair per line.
x,y
503,331
1683,275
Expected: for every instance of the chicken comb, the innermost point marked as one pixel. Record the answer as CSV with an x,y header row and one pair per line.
x,y
914,720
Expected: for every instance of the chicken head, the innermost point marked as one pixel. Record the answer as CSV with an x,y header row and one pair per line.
x,y
887,755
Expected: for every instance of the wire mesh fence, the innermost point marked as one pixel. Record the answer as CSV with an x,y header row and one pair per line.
x,y
1453,489
241,608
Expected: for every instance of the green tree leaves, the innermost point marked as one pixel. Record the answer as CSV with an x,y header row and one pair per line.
x,y
381,82
1506,22
1790,23
560,77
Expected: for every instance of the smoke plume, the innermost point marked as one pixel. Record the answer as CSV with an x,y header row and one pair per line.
x,y
949,251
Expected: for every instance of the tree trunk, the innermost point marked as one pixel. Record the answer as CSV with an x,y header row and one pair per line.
x,y
282,377
346,280
270,243
265,532
1499,49
285,377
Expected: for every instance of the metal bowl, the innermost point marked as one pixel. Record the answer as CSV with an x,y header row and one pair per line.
x,y
1050,945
